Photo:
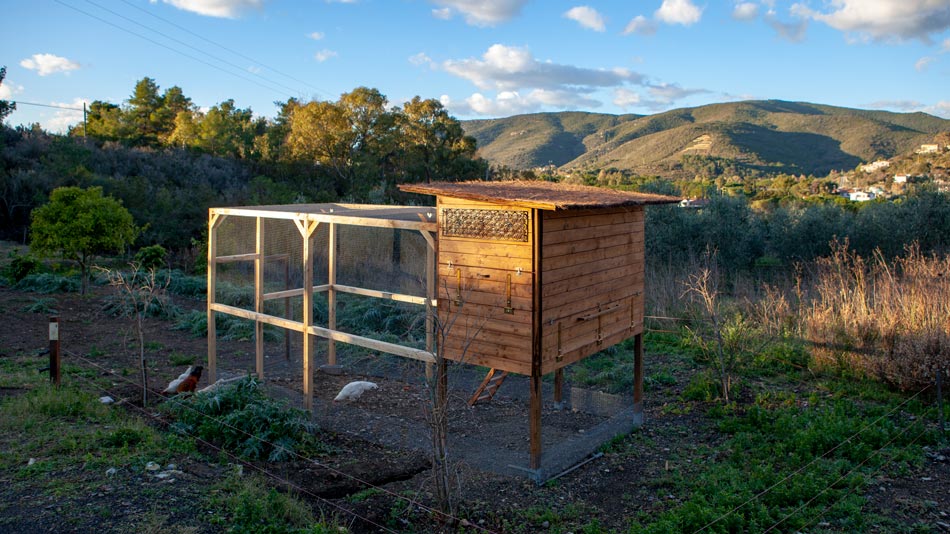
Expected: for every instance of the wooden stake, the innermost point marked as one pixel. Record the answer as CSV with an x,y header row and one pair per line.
x,y
54,353
638,378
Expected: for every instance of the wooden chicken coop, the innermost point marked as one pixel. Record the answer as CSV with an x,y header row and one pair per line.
x,y
519,277
534,276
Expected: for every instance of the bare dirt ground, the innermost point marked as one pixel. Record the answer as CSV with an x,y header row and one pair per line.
x,y
609,491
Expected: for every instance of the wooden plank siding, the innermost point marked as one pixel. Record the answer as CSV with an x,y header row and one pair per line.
x,y
593,278
479,332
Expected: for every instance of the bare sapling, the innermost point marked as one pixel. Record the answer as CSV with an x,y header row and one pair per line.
x,y
139,289
723,338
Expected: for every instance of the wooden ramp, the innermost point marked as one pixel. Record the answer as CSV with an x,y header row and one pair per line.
x,y
486,390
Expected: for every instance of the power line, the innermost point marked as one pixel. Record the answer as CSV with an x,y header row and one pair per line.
x,y
45,105
225,48
212,65
225,61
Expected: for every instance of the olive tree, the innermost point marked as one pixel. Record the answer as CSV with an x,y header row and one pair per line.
x,y
80,224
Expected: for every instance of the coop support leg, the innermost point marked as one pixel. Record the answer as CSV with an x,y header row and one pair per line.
x,y
534,426
559,389
638,379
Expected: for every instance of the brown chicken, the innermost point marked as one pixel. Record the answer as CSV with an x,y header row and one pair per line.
x,y
187,382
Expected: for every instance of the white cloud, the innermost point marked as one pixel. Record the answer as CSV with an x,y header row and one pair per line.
x,y
316,36
443,13
508,103
625,98
924,62
679,12
941,109
900,105
64,118
484,12
420,59
640,25
508,68
227,9
324,55
745,11
884,19
665,95
46,64
587,17
791,31
8,89
945,47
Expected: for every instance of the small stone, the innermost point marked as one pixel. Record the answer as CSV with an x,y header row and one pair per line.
x,y
171,467
111,471
927,479
546,524
106,400
152,466
31,462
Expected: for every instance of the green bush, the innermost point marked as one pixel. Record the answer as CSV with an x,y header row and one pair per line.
x,y
46,283
151,257
242,419
20,267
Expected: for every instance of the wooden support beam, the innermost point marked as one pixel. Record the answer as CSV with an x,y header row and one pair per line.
x,y
259,295
534,405
431,262
410,299
331,294
213,221
559,388
372,344
306,233
638,378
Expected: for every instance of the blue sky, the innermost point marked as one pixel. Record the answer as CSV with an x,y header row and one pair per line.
x,y
483,59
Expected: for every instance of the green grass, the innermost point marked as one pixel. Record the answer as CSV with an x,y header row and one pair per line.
x,y
249,505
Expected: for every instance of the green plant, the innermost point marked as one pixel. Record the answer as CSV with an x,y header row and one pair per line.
x,y
81,224
46,283
243,419
178,359
20,267
151,257
41,305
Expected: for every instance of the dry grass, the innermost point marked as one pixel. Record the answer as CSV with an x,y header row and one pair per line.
x,y
889,320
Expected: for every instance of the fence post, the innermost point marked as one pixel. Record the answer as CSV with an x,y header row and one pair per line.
x,y
54,356
940,398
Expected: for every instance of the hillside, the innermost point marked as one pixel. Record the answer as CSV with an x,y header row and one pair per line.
x,y
767,136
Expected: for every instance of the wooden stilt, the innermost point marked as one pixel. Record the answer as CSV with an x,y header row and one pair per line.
x,y
534,422
559,388
638,378
534,407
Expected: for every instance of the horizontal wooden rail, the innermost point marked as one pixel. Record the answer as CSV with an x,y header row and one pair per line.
x,y
381,294
289,324
294,292
343,337
605,311
236,258
373,344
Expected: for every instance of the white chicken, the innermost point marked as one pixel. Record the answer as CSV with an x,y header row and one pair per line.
x,y
353,390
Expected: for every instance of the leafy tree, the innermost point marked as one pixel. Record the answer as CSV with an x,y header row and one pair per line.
x,y
6,107
103,121
434,144
143,115
81,224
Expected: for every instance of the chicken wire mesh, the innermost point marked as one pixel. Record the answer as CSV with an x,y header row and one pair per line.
x,y
375,258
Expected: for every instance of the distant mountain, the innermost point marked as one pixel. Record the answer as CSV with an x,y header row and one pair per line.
x,y
768,135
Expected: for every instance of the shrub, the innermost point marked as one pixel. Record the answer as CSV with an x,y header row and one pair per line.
x,y
20,267
48,283
243,420
151,257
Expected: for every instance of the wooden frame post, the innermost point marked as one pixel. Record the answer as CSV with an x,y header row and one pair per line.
x,y
306,229
638,379
534,405
431,261
259,296
559,388
213,221
331,294
54,352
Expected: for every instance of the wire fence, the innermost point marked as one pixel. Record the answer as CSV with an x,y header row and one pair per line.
x,y
366,484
